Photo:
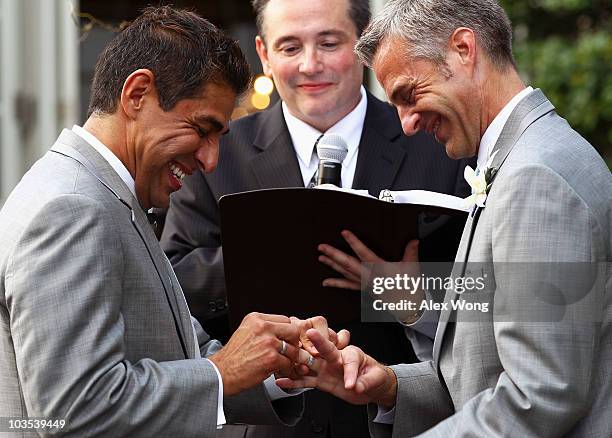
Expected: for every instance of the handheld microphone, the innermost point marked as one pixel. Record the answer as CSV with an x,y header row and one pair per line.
x,y
331,150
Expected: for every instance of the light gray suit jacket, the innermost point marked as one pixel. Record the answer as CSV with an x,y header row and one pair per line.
x,y
94,328
539,363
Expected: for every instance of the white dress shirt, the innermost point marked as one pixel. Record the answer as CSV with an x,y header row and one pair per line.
x,y
274,392
304,137
487,143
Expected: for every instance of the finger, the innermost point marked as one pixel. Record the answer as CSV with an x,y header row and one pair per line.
x,y
308,360
342,283
327,350
319,323
291,353
352,357
270,317
373,378
411,253
286,367
332,336
346,262
344,338
303,382
364,253
337,267
287,331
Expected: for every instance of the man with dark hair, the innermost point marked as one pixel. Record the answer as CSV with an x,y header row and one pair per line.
x,y
94,329
307,49
536,363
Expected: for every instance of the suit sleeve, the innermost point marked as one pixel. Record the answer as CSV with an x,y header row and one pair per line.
x,y
547,326
414,414
192,241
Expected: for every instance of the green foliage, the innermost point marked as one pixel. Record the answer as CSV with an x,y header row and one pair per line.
x,y
564,47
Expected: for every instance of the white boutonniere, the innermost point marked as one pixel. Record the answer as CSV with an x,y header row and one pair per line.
x,y
480,182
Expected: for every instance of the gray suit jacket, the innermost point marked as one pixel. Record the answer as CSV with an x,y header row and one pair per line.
x,y
94,328
538,363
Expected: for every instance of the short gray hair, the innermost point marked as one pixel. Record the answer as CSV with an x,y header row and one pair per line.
x,y
427,25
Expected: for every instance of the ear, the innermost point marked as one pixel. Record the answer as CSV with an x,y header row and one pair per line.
x,y
262,51
462,47
137,87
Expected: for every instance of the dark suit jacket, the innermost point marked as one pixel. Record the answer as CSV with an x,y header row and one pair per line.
x,y
258,153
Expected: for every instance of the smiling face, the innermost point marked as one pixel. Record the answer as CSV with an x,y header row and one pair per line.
x,y
428,98
307,48
164,146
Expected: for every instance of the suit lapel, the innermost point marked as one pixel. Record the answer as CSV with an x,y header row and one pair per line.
x,y
71,145
276,164
379,159
534,106
458,271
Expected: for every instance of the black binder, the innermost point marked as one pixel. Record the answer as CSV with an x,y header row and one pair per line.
x,y
270,240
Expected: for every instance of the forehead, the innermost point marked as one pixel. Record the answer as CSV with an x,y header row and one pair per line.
x,y
391,61
393,65
306,18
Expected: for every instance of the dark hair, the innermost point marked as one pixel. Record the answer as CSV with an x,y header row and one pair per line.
x,y
183,50
359,13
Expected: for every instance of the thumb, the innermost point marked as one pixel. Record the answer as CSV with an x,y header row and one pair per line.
x,y
411,253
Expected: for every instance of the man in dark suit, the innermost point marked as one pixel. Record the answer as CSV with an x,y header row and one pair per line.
x,y
307,48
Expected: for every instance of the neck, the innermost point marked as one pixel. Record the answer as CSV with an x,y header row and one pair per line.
x,y
110,131
497,89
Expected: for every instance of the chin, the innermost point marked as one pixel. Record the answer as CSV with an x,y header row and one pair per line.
x,y
457,153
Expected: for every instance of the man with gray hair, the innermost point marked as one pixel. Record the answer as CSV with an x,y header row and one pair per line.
x,y
538,363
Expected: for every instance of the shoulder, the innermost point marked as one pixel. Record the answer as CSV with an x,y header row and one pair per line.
x,y
550,150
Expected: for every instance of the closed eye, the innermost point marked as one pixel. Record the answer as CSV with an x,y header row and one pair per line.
x,y
201,132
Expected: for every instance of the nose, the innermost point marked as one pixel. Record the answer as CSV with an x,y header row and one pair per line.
x,y
310,63
207,154
411,121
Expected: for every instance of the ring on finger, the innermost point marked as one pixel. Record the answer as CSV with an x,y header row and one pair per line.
x,y
310,362
283,348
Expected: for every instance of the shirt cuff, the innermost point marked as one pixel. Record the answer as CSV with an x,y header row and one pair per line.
x,y
385,416
220,413
275,392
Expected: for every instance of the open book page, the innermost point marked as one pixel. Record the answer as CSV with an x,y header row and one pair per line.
x,y
345,190
435,199
417,197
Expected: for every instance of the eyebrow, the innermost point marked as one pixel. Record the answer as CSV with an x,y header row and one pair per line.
x,y
400,89
216,124
331,32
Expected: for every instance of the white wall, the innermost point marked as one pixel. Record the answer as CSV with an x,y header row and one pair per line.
x,y
39,89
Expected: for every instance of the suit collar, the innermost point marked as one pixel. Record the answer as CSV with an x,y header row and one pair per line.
x,y
271,126
533,106
72,145
276,165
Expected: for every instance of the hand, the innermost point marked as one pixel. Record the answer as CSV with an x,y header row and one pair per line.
x,y
349,374
352,268
254,352
340,339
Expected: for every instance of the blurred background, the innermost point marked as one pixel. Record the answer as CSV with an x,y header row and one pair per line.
x,y
48,49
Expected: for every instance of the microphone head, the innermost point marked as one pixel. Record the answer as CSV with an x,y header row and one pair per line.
x,y
331,147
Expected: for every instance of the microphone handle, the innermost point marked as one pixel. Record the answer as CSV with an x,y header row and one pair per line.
x,y
329,173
